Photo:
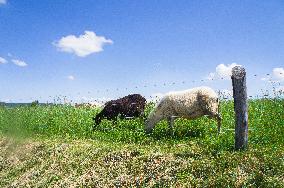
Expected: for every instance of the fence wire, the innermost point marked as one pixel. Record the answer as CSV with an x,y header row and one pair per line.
x,y
275,86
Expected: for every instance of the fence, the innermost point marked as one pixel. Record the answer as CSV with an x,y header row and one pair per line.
x,y
239,95
270,88
103,95
240,107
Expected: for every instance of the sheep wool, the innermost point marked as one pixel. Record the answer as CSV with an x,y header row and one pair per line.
x,y
129,106
190,104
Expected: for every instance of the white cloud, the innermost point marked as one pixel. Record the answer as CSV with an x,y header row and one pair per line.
x,y
3,61
278,73
3,1
222,71
71,77
19,63
83,45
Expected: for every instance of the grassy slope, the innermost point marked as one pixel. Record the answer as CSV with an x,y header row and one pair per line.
x,y
60,149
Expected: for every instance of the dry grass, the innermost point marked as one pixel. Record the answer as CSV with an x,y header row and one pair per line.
x,y
87,163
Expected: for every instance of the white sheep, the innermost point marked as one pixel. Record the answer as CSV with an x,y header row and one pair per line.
x,y
190,104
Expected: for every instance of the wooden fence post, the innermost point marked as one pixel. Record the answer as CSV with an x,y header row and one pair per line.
x,y
240,106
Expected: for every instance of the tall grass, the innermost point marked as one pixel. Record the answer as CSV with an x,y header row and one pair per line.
x,y
266,124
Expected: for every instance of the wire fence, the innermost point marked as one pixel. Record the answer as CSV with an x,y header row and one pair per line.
x,y
273,88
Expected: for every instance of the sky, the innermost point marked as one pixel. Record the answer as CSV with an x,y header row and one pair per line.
x,y
99,50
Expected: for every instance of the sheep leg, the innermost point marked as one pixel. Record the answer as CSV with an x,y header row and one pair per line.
x,y
219,122
218,118
171,121
170,124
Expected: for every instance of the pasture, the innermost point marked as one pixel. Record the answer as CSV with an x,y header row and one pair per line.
x,y
43,146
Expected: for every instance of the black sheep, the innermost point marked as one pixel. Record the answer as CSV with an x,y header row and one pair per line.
x,y
128,106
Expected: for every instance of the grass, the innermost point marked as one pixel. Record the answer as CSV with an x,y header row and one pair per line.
x,y
55,146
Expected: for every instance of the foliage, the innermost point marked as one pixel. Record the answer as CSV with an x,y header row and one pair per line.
x,y
35,103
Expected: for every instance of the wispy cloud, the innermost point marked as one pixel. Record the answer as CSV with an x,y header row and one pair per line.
x,y
3,60
71,77
83,45
3,2
19,63
277,75
222,71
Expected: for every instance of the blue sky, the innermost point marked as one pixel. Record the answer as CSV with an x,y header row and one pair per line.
x,y
87,49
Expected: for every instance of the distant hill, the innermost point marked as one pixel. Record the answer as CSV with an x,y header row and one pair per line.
x,y
21,104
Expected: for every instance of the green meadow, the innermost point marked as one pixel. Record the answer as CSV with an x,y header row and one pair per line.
x,y
55,146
